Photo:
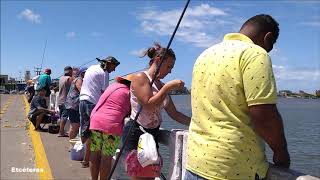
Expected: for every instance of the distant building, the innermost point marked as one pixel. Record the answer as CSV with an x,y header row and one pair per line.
x,y
27,76
285,93
318,93
4,79
306,95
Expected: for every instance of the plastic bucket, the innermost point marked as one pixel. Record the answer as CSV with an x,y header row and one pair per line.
x,y
77,155
73,141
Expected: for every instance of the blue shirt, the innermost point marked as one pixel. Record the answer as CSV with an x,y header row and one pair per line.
x,y
44,81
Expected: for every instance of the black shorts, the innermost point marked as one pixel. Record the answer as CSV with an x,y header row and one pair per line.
x,y
33,118
74,116
133,137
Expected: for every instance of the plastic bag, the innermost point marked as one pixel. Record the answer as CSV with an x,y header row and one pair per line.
x,y
147,150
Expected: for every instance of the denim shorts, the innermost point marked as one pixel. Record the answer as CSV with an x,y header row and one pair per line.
x,y
192,176
85,109
63,113
74,115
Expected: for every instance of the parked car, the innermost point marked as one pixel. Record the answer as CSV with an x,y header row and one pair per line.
x,y
3,91
13,92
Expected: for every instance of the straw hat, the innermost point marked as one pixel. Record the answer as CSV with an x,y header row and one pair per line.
x,y
127,78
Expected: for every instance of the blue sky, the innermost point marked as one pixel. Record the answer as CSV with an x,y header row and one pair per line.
x,y
79,31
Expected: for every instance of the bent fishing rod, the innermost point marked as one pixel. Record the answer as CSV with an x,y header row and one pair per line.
x,y
152,81
110,79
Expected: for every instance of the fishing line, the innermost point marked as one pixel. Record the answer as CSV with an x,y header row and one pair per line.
x,y
152,81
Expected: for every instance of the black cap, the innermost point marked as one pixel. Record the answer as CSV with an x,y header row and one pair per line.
x,y
110,59
67,69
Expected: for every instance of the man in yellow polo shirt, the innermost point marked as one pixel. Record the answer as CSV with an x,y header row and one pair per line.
x,y
234,107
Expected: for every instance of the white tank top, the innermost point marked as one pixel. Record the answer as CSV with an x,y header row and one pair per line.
x,y
149,118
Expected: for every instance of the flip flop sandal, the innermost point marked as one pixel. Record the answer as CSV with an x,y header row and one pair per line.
x,y
84,164
63,135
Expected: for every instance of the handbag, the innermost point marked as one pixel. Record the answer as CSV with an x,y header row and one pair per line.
x,y
134,168
147,152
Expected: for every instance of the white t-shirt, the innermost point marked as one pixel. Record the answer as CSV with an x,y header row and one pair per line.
x,y
95,81
35,81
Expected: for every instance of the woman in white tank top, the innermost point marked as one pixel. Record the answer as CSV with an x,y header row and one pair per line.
x,y
152,99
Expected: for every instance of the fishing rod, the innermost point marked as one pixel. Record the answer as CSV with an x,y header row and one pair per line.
x,y
130,73
81,66
152,81
44,51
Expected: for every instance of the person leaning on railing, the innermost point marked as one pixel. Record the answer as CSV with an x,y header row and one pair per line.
x,y
234,108
153,100
95,81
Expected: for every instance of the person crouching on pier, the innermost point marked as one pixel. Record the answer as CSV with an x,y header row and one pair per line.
x,y
38,110
106,123
153,100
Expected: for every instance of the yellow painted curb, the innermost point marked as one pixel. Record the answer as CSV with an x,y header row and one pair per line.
x,y
41,158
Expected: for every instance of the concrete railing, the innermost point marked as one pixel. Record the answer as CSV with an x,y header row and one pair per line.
x,y
176,140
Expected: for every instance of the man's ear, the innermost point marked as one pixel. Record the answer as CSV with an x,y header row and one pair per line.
x,y
269,38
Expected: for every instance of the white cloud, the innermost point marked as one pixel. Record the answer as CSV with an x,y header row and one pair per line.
x,y
205,10
298,74
70,34
137,52
311,23
294,78
277,55
29,15
96,34
201,26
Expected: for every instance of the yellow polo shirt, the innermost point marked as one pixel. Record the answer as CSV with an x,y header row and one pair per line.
x,y
228,78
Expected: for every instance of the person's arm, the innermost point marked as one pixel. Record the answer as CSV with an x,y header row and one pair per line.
x,y
176,115
48,81
261,96
41,106
142,90
70,79
268,124
78,84
42,109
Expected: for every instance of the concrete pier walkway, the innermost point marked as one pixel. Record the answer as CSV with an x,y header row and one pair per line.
x,y
16,145
36,155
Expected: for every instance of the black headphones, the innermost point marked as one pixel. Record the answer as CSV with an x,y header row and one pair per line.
x,y
103,65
